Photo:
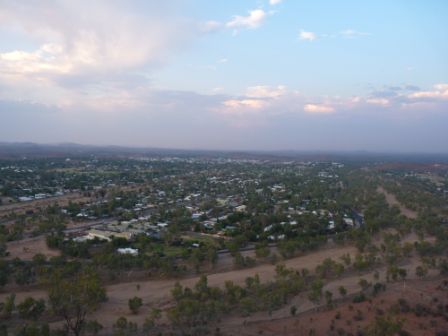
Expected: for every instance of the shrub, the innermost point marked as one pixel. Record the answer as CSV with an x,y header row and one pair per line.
x,y
134,304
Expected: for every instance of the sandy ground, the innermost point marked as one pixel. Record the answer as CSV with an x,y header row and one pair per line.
x,y
416,291
157,293
303,305
26,249
31,205
392,200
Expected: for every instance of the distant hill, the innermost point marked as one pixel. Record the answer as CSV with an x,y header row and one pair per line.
x,y
16,150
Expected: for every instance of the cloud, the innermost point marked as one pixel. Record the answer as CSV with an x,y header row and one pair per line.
x,y
378,101
255,108
264,91
254,20
159,118
318,108
42,60
307,35
104,37
249,104
440,91
265,104
82,53
347,33
274,2
211,26
351,33
244,112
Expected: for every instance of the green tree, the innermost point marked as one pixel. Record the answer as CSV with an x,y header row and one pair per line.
x,y
74,297
8,306
31,308
150,321
4,274
123,327
293,310
342,291
443,266
262,250
134,304
33,330
421,271
385,326
346,258
212,255
329,298
3,330
316,290
3,249
93,327
364,284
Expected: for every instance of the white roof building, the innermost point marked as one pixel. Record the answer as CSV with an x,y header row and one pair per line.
x,y
128,250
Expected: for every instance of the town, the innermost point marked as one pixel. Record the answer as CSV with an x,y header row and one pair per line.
x,y
140,218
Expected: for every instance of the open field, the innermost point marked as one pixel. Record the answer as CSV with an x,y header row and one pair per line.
x,y
26,249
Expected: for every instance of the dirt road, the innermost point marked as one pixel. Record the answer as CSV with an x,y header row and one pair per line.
x,y
157,293
392,201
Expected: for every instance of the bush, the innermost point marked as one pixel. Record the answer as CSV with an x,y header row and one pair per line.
x,y
93,327
123,327
134,304
293,310
359,298
31,308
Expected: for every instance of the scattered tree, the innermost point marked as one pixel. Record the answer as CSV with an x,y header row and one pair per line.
x,y
73,298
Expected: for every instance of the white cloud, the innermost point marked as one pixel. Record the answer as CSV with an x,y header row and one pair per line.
x,y
103,37
274,2
307,35
49,58
440,91
318,108
254,20
243,112
87,52
211,26
351,33
378,101
237,105
348,34
223,60
263,91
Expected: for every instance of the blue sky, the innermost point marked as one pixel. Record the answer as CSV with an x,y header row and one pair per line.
x,y
234,74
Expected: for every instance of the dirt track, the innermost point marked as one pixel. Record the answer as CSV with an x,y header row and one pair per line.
x,y
392,201
415,291
157,293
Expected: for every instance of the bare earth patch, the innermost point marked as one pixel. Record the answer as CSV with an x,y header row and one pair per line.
x,y
392,201
26,249
355,316
157,293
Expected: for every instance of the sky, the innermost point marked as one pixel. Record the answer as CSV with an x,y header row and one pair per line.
x,y
227,75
